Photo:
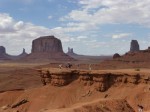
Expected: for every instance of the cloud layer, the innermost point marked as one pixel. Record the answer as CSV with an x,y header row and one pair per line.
x,y
17,34
94,13
81,27
121,35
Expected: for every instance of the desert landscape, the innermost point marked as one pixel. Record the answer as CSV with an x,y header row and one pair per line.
x,y
42,81
74,55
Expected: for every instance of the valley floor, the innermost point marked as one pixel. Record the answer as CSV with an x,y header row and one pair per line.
x,y
21,88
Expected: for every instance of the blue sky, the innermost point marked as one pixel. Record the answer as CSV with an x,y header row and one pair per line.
x,y
92,27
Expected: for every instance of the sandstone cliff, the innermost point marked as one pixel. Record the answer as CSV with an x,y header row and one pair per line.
x,y
100,80
69,90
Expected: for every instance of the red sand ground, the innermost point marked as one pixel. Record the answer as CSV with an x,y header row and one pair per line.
x,y
73,97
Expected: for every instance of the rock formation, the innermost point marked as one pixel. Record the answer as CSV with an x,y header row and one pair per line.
x,y
134,46
3,55
116,55
148,48
47,48
101,81
70,50
2,50
71,53
47,44
23,54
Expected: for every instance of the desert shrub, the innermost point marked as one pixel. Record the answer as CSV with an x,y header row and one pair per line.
x,y
137,69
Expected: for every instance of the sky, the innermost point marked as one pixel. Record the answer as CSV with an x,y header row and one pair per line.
x,y
91,27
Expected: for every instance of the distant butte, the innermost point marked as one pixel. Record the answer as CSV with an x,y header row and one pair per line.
x,y
5,56
135,58
134,47
47,44
47,48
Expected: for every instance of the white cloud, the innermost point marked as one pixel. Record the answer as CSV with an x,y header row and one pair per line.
x,y
82,37
5,22
94,13
19,25
50,17
16,35
89,17
121,35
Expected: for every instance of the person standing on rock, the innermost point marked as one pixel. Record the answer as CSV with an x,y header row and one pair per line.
x,y
90,67
42,77
78,66
69,65
60,66
43,81
140,108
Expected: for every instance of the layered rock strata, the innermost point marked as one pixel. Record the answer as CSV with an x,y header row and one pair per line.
x,y
101,81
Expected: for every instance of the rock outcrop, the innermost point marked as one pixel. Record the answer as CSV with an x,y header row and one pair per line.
x,y
47,48
70,50
57,79
134,46
22,55
101,81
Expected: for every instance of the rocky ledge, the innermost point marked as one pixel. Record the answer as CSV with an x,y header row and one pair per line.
x,y
101,80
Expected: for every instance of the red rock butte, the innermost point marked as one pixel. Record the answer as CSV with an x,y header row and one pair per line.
x,y
47,48
47,44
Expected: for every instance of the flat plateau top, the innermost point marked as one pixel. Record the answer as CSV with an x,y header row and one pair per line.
x,y
64,71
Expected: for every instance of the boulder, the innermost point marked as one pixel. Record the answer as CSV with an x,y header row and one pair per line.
x,y
134,46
